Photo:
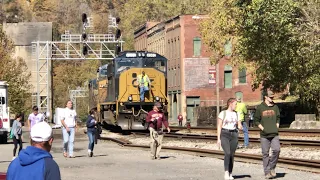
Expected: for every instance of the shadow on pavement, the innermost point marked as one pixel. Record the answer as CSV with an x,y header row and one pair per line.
x,y
281,175
241,176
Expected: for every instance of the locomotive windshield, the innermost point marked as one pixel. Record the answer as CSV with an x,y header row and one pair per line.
x,y
128,60
159,64
125,63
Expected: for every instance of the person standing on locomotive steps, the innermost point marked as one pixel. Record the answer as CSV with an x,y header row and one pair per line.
x,y
69,126
91,131
155,119
267,118
227,134
144,83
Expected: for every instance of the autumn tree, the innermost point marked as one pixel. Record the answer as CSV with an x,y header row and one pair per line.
x,y
14,72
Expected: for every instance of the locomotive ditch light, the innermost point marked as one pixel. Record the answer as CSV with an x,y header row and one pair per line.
x,y
157,98
130,98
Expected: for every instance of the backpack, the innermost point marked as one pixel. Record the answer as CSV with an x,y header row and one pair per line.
x,y
225,113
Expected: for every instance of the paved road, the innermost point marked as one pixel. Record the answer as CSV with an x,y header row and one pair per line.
x,y
113,162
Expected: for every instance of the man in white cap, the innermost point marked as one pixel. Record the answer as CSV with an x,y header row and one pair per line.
x,y
35,162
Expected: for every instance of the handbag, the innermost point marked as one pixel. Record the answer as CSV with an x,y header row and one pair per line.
x,y
11,134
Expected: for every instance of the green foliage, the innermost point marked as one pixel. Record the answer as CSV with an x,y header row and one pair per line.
x,y
279,39
14,72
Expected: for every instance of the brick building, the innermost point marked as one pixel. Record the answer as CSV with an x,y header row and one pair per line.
x,y
179,40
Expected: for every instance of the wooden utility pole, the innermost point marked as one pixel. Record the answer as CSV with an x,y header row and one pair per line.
x,y
217,89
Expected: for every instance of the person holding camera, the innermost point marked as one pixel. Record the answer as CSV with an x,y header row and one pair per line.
x,y
155,119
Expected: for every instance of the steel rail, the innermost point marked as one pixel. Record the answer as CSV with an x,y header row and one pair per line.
x,y
284,142
291,163
282,131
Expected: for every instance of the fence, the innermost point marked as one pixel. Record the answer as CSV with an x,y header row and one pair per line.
x,y
205,111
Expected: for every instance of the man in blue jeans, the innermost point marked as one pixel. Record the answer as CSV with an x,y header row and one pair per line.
x,y
241,110
144,83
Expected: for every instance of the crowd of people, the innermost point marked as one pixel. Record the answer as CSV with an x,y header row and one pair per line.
x,y
36,161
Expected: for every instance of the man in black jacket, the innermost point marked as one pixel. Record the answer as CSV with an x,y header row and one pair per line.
x,y
267,118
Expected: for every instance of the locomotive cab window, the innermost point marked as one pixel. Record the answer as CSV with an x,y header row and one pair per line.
x,y
126,63
156,63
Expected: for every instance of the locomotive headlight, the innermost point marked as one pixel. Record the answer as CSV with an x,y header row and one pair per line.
x,y
130,98
157,98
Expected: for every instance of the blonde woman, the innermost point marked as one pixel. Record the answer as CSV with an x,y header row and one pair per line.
x,y
227,134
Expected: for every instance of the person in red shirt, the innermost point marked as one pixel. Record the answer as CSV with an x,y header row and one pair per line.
x,y
156,119
180,118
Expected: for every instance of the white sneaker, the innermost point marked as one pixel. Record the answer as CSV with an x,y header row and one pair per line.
x,y
226,175
230,177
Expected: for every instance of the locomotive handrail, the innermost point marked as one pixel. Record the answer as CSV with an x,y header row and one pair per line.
x,y
138,112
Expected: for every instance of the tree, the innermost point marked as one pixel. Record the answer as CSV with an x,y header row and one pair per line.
x,y
307,84
280,39
14,72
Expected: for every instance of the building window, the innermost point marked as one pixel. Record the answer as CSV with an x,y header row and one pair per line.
x,y
242,75
227,76
196,46
239,94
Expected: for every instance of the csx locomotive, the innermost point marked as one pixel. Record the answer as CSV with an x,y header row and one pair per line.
x,y
116,94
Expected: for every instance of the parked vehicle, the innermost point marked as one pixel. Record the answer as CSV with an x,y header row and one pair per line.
x,y
4,112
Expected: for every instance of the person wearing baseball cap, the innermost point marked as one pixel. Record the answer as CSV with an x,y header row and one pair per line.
x,y
35,162
241,110
267,118
155,119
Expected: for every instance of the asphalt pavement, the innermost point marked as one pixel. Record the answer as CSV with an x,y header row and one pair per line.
x,y
112,161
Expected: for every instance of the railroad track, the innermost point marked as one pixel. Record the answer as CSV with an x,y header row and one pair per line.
x,y
291,163
283,142
282,131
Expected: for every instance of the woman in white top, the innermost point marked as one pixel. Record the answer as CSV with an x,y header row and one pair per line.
x,y
227,134
69,125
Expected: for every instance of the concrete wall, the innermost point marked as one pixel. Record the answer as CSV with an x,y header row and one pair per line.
x,y
22,35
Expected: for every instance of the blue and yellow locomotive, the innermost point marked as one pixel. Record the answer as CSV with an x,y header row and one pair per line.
x,y
118,97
